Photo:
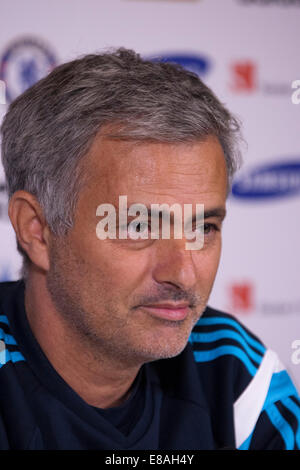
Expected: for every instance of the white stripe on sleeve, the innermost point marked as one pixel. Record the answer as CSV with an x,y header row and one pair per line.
x,y
248,406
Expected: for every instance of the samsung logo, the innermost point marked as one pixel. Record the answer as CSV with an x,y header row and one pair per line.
x,y
269,181
194,63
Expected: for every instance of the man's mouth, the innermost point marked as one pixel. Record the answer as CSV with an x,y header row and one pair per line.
x,y
168,311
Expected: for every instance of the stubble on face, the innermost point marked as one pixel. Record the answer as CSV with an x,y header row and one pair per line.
x,y
101,326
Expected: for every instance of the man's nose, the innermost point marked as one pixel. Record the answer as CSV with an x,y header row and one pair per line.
x,y
175,264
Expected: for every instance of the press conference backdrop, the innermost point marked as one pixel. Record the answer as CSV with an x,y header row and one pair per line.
x,y
248,52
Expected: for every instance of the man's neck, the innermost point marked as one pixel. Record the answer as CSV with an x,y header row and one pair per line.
x,y
99,380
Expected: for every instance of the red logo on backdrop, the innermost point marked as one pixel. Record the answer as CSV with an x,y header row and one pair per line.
x,y
243,76
241,295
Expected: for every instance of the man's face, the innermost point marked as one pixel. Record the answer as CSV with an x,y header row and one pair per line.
x,y
137,300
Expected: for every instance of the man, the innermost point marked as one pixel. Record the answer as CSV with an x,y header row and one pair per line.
x,y
109,343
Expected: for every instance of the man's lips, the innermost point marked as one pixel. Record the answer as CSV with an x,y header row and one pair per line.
x,y
168,311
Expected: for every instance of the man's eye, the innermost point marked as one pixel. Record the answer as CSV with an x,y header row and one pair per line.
x,y
207,228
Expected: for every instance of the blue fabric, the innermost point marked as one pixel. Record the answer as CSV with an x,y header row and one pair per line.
x,y
282,426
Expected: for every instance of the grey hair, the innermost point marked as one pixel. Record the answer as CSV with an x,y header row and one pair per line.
x,y
50,127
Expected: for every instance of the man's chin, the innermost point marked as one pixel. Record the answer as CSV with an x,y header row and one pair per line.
x,y
166,339
165,348
167,354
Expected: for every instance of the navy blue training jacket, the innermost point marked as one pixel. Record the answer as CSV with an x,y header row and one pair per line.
x,y
226,389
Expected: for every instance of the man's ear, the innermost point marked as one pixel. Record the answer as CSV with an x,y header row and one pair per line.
x,y
31,229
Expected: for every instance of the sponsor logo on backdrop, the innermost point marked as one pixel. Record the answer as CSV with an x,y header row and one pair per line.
x,y
245,78
198,64
296,94
283,307
23,63
242,298
269,181
282,3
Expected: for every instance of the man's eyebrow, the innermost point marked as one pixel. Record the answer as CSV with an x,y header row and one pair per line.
x,y
219,212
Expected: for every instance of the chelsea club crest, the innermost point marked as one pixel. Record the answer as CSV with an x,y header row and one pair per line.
x,y
23,63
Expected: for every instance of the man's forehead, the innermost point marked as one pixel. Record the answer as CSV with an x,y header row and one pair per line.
x,y
155,164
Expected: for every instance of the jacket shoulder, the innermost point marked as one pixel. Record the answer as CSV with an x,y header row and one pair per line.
x,y
9,349
250,378
226,351
218,334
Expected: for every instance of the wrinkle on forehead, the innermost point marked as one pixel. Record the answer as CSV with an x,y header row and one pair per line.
x,y
159,169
